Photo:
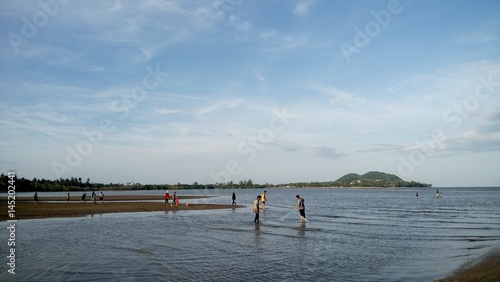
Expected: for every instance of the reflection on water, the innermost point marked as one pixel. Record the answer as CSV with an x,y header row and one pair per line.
x,y
257,235
350,235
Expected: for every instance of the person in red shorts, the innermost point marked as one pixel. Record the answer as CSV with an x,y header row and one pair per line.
x,y
167,196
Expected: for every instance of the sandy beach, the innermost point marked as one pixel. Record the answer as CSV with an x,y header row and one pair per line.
x,y
58,207
485,270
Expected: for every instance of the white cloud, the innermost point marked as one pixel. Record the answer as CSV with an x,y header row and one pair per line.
x,y
260,77
302,7
238,24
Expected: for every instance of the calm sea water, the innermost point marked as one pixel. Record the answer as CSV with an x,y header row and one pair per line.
x,y
350,235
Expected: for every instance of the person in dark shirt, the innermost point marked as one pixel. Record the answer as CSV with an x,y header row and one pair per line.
x,y
301,207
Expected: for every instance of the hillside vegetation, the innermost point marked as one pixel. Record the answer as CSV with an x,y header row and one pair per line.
x,y
369,179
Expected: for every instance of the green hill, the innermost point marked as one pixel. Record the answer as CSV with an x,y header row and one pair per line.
x,y
375,179
369,179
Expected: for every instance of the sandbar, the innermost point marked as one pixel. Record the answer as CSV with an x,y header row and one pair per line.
x,y
78,198
58,207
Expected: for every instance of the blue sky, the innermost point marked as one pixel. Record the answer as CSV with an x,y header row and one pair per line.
x,y
273,91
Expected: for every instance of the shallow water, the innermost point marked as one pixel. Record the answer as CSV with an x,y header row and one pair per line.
x,y
350,235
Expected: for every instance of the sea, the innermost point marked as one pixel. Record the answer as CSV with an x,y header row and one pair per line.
x,y
373,234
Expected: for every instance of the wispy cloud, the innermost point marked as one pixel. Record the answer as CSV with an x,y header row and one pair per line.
x,y
287,145
260,77
238,24
302,7
381,148
488,32
276,41
218,106
163,111
336,96
326,152
485,137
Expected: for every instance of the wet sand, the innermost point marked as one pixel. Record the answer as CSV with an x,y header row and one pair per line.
x,y
487,269
58,207
78,198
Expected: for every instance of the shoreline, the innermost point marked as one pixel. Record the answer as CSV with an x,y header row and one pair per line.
x,y
50,207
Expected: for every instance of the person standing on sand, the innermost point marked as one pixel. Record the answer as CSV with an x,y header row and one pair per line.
x,y
101,198
234,199
93,197
167,196
264,199
256,209
301,207
174,200
67,198
35,198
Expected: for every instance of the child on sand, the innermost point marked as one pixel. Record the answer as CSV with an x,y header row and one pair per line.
x,y
174,200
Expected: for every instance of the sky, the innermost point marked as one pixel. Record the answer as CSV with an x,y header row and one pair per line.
x,y
162,92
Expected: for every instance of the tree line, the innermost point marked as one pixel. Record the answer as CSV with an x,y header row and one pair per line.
x,y
77,184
